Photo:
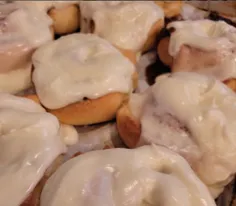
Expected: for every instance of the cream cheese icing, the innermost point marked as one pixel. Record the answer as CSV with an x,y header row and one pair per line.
x,y
193,115
208,36
78,66
46,5
125,24
150,175
29,143
21,31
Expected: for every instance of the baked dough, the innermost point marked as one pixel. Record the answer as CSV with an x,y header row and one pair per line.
x,y
129,25
150,175
65,14
82,79
22,30
201,46
190,114
30,142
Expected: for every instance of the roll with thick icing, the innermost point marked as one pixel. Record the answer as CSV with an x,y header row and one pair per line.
x,y
150,175
129,25
29,144
191,114
82,79
65,14
22,30
202,46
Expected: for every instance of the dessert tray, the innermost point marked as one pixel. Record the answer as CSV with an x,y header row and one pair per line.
x,y
120,103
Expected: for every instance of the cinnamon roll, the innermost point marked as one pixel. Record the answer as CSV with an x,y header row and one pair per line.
x,y
191,114
65,14
150,175
22,30
30,147
128,25
82,79
201,46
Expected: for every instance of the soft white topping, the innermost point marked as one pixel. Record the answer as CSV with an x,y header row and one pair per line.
x,y
193,115
46,5
208,36
125,24
29,143
189,12
69,134
150,175
78,66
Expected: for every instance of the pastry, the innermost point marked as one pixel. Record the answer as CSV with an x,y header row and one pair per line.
x,y
131,26
191,114
150,175
201,46
30,146
65,14
82,79
22,30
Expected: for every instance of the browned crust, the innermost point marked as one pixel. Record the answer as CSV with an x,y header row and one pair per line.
x,y
171,8
34,198
90,111
231,83
152,35
129,127
163,51
66,19
33,97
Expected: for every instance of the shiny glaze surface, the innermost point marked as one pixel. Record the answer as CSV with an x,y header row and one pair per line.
x,y
79,66
29,143
150,175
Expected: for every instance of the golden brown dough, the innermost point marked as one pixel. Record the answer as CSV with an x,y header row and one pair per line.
x,y
66,20
171,8
129,127
152,35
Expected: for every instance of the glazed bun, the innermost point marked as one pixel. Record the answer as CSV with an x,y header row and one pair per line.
x,y
202,46
82,79
190,114
30,143
22,31
65,14
132,26
146,171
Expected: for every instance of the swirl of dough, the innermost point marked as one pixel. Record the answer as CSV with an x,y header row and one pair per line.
x,y
22,30
29,143
150,175
126,24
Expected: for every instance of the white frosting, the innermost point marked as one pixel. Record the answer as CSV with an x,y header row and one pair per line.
x,y
149,175
208,36
78,66
24,25
29,143
125,24
46,5
15,81
193,115
21,31
189,12
69,134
